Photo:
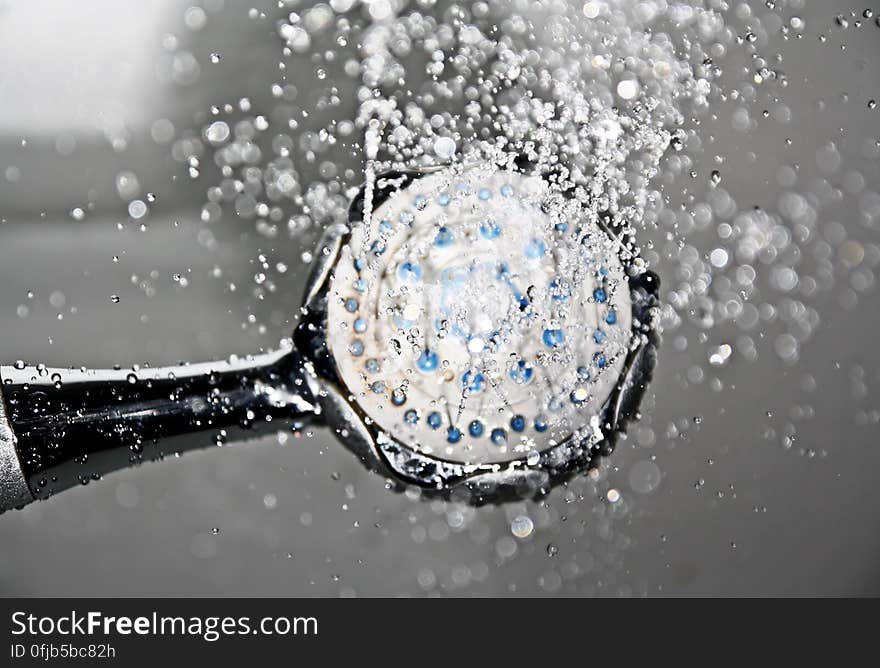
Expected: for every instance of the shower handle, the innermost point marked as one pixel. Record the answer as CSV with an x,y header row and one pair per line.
x,y
61,428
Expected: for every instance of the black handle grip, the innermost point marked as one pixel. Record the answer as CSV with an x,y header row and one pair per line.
x,y
72,426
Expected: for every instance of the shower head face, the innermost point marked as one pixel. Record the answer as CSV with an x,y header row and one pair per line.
x,y
478,319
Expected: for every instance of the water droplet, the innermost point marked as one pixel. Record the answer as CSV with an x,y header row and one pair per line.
x,y
522,526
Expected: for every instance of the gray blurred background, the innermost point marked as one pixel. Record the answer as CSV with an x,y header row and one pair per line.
x,y
742,507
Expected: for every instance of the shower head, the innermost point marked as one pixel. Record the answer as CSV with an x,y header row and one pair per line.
x,y
473,328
